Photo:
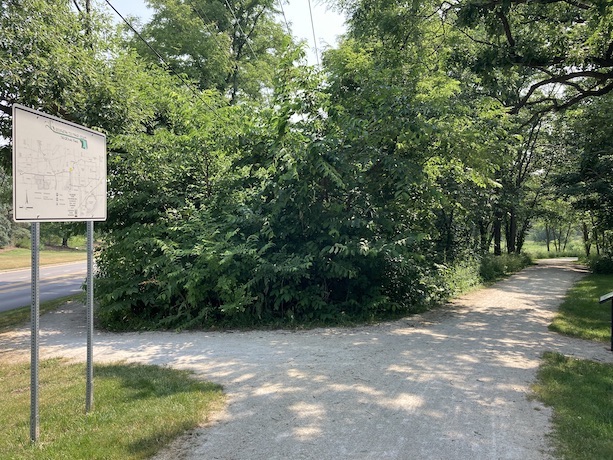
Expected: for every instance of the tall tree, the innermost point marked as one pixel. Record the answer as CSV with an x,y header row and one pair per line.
x,y
233,46
563,48
588,179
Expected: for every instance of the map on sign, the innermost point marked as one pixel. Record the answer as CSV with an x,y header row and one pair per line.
x,y
59,169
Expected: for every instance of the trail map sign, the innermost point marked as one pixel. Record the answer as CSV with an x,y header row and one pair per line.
x,y
59,169
59,175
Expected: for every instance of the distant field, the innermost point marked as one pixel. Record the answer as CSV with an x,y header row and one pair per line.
x,y
12,259
538,250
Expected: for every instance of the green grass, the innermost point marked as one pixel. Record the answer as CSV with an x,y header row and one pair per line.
x,y
580,315
579,392
137,410
538,250
13,259
19,316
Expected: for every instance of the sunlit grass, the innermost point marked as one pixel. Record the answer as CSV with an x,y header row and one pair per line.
x,y
538,250
13,259
579,392
580,315
137,410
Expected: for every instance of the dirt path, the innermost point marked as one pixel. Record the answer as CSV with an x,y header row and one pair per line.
x,y
449,385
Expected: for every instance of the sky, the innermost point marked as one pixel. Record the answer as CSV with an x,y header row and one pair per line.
x,y
328,24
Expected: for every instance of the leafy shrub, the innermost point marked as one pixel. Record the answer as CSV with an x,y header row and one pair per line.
x,y
5,231
602,264
461,276
493,267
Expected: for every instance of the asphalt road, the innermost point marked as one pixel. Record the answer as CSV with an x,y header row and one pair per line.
x,y
55,281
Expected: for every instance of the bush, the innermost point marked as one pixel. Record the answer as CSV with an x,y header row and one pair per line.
x,y
5,231
494,267
461,276
602,265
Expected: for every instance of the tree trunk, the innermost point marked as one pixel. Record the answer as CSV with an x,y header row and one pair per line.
x,y
567,236
586,239
512,232
498,233
484,237
548,237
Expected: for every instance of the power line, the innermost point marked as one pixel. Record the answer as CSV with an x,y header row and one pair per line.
x,y
207,23
166,65
241,29
285,17
313,29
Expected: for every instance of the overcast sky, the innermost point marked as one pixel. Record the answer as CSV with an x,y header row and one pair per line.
x,y
328,24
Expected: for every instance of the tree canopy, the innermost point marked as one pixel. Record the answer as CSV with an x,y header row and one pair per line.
x,y
246,187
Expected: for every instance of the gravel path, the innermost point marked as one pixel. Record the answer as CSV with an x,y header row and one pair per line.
x,y
450,384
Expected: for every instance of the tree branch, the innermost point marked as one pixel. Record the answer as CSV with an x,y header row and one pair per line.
x,y
495,3
507,30
566,79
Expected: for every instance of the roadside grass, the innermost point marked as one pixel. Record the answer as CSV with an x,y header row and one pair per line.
x,y
580,315
579,391
137,410
13,259
19,316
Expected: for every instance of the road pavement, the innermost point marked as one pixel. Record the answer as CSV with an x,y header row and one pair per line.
x,y
55,281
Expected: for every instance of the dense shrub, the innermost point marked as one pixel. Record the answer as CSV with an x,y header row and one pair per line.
x,y
494,267
5,231
461,276
602,264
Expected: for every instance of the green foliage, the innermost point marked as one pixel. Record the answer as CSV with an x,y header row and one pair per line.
x,y
233,47
587,178
601,264
462,276
494,267
579,392
373,187
5,238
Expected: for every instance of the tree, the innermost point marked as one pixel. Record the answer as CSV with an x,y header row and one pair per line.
x,y
233,46
563,48
588,178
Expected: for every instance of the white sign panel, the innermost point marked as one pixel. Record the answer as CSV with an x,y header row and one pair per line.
x,y
59,169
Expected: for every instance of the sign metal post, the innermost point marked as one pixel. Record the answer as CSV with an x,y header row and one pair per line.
x,y
89,388
34,315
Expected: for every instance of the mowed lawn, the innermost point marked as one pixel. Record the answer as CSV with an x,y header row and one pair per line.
x,y
138,409
12,259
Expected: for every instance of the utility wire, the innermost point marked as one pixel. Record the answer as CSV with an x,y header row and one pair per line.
x,y
168,68
205,21
313,29
241,29
285,17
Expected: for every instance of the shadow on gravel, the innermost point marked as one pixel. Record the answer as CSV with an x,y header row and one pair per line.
x,y
453,386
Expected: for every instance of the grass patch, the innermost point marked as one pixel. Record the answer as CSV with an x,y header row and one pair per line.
x,y
137,410
19,316
13,259
580,315
538,250
579,391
